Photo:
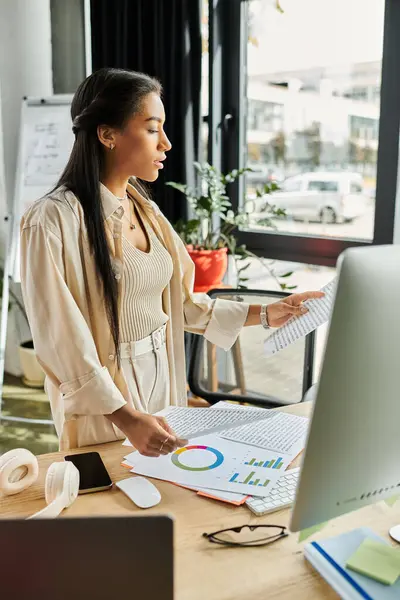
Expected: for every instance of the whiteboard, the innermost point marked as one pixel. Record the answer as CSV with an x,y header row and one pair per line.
x,y
45,143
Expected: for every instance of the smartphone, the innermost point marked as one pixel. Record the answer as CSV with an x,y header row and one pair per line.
x,y
94,476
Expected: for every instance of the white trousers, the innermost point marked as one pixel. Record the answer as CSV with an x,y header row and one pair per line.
x,y
147,374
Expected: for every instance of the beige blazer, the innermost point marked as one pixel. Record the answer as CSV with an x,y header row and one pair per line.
x,y
71,334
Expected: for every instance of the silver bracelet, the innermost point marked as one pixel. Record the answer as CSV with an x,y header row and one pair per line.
x,y
264,317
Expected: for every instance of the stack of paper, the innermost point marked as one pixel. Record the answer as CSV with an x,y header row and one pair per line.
x,y
213,463
281,432
189,423
242,461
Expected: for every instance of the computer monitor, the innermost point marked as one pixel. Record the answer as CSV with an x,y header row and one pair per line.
x,y
352,454
102,558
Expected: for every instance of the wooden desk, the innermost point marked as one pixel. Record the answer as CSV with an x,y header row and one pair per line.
x,y
204,571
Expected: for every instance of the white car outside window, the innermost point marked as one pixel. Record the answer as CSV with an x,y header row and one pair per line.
x,y
324,197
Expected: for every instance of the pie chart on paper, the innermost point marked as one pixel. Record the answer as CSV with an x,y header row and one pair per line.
x,y
197,458
217,464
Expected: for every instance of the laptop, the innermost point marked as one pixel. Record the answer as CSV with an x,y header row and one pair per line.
x,y
102,558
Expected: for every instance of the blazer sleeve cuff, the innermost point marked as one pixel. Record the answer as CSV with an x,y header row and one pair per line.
x,y
92,394
226,322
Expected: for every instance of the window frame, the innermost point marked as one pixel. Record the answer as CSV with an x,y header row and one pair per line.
x,y
228,115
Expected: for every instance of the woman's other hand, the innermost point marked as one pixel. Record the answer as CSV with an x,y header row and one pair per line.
x,y
280,312
148,434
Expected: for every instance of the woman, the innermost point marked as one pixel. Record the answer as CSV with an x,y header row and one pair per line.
x,y
107,283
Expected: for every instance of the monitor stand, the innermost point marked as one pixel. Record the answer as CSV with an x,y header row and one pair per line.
x,y
394,533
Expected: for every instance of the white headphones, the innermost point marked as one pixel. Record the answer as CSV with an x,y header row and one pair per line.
x,y
19,469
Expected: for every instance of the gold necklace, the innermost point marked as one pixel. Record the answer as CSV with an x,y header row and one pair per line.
x,y
131,224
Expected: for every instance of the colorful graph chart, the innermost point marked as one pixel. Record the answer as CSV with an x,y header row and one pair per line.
x,y
250,479
176,458
268,464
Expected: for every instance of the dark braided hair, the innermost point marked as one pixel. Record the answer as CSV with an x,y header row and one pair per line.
x,y
107,97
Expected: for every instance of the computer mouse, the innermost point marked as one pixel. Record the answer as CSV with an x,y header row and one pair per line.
x,y
141,491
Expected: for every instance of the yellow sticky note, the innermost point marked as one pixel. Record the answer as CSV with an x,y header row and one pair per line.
x,y
376,560
306,533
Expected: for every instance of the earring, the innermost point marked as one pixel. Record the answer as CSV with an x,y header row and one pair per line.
x,y
111,146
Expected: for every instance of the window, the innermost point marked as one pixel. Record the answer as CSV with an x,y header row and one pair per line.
x,y
314,116
288,108
266,116
355,188
323,186
363,128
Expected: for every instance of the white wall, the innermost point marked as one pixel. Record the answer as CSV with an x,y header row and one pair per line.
x,y
25,70
396,236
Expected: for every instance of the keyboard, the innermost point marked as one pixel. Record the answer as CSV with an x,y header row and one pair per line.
x,y
280,497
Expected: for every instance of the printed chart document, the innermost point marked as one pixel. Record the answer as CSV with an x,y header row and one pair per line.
x,y
189,423
319,311
217,464
231,497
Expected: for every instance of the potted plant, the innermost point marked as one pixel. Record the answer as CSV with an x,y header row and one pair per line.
x,y
210,234
32,373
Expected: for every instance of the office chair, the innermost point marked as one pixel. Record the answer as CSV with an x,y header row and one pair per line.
x,y
244,373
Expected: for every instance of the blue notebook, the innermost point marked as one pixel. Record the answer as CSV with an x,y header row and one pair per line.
x,y
329,557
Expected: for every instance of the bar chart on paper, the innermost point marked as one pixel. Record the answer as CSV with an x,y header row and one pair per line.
x,y
251,478
254,469
262,460
266,464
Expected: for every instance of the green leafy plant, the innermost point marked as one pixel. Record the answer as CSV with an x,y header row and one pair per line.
x,y
214,221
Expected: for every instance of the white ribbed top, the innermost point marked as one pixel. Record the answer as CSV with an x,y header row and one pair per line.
x,y
145,276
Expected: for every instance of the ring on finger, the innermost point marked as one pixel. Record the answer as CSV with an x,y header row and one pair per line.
x,y
164,442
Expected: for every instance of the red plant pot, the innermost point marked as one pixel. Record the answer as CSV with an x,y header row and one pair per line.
x,y
210,268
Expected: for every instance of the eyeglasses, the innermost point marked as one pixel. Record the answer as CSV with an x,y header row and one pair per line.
x,y
247,535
